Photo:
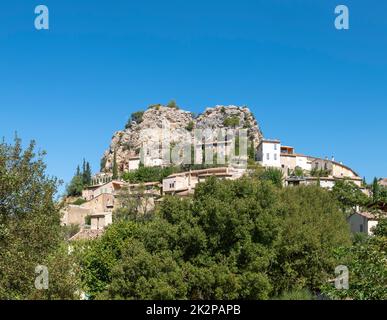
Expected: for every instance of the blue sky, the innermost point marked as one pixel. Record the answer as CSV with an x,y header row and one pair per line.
x,y
321,90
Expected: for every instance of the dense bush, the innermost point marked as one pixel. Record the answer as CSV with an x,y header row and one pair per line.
x,y
244,239
30,233
233,121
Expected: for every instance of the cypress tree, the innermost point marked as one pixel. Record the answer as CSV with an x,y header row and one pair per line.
x,y
115,168
375,190
88,174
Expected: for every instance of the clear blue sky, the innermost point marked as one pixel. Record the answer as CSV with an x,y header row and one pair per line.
x,y
321,90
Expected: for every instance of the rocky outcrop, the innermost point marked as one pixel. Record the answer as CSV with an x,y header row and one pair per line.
x,y
148,127
230,116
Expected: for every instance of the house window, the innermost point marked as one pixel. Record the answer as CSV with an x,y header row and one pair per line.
x,y
275,156
268,156
361,228
275,147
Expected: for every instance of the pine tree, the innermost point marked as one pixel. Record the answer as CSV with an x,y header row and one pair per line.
x,y
115,167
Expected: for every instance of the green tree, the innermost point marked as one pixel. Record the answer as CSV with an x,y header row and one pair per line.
x,y
30,233
74,189
366,263
102,255
243,239
349,195
115,166
135,117
313,226
274,175
375,190
135,204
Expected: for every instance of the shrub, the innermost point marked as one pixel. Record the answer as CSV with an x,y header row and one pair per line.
x,y
233,121
135,117
172,104
190,126
79,202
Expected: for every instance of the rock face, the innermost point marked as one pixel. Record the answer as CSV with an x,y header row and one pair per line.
x,y
149,126
223,117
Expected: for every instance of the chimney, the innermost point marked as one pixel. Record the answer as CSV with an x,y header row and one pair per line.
x,y
333,158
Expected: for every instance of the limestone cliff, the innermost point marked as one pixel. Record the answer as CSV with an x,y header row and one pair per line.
x,y
147,127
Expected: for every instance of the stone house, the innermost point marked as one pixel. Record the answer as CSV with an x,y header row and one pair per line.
x,y
363,222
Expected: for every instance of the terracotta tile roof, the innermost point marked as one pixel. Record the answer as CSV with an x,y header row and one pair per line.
x,y
87,234
367,215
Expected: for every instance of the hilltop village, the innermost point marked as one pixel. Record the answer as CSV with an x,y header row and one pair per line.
x,y
128,157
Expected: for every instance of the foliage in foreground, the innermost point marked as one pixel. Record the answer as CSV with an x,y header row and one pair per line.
x,y
367,266
244,239
30,233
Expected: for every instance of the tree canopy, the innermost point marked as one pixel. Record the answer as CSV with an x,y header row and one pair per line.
x,y
243,239
30,232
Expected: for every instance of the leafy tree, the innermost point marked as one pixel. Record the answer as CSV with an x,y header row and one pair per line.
x,y
135,117
366,263
98,261
381,229
135,204
74,189
30,233
274,175
349,195
243,239
313,226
